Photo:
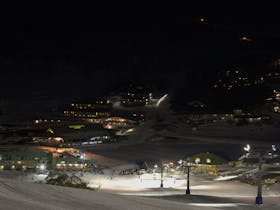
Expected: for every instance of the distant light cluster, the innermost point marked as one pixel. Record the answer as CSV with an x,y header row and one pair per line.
x,y
231,79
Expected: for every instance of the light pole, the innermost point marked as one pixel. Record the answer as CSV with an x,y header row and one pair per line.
x,y
83,157
247,149
162,167
188,166
161,176
259,199
261,154
188,191
154,170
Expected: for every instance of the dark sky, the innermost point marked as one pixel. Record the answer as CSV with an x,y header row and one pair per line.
x,y
82,52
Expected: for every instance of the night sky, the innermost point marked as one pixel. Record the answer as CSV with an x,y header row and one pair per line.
x,y
71,53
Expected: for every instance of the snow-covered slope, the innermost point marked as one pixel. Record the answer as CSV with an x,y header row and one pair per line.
x,y
20,195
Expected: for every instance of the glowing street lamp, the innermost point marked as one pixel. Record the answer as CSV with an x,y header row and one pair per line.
x,y
188,166
162,167
188,191
180,162
42,167
197,160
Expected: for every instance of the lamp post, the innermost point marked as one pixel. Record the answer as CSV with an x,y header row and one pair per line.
x,y
188,166
259,199
162,167
161,176
83,157
188,191
261,154
247,149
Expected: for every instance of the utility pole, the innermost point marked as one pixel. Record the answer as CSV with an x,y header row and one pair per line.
x,y
259,199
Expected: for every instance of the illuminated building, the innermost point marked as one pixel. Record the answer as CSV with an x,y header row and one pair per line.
x,y
47,121
24,159
98,140
231,79
86,114
68,162
96,109
276,109
97,104
250,118
134,99
203,117
113,122
236,116
138,117
136,96
50,140
197,104
274,100
276,95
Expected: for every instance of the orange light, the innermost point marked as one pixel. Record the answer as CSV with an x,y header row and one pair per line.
x,y
246,39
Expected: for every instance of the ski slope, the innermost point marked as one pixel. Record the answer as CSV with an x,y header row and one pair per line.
x,y
15,195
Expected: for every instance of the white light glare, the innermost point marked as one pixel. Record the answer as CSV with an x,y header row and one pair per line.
x,y
82,156
161,100
42,167
215,204
247,148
